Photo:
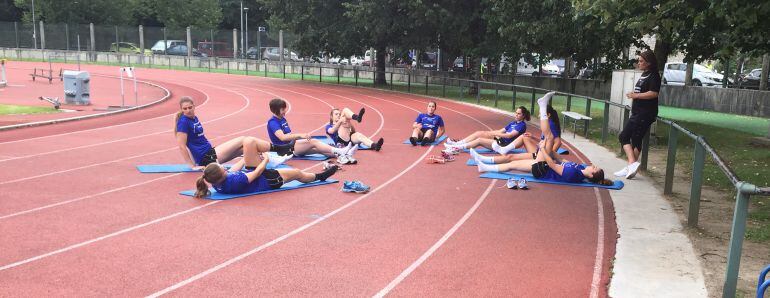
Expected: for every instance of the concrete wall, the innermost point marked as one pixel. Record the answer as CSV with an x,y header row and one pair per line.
x,y
733,101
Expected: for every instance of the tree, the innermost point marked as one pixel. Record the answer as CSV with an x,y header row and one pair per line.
x,y
79,11
9,12
179,13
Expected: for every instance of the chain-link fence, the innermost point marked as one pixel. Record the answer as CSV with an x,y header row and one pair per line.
x,y
207,42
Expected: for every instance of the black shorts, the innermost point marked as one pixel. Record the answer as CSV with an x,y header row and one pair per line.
x,y
503,142
340,142
539,169
274,179
425,130
209,157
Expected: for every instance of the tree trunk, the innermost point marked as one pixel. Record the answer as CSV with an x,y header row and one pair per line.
x,y
765,69
688,74
738,69
662,50
380,77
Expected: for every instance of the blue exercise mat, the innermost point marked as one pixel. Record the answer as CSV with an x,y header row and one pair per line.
x,y
330,142
436,142
561,151
505,175
288,186
315,156
180,168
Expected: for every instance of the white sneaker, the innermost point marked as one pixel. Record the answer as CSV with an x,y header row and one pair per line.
x,y
276,160
622,173
632,169
351,160
342,159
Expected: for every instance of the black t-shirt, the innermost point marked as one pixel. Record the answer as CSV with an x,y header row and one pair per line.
x,y
650,81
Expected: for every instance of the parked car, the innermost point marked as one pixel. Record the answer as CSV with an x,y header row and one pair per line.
x,y
251,53
272,54
428,60
181,50
127,47
674,74
215,49
339,60
458,64
356,60
548,69
751,79
159,46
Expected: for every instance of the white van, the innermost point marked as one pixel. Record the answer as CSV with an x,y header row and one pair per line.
x,y
675,72
158,48
525,68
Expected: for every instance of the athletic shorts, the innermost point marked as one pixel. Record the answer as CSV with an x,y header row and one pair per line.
x,y
539,169
274,179
340,142
503,142
209,157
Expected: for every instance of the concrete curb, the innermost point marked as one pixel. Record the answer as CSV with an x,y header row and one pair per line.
x,y
54,121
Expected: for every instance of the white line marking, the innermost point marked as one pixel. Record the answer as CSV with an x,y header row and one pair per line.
x,y
598,264
436,245
286,236
71,247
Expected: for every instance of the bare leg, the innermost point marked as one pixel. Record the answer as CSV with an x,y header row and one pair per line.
x,y
518,165
296,174
229,150
417,133
512,157
312,146
359,138
478,134
529,143
631,153
428,134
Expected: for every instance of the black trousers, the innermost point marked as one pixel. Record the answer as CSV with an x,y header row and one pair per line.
x,y
635,129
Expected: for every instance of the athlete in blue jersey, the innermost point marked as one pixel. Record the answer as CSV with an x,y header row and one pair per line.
x,y
342,131
280,133
257,178
508,137
427,127
196,149
543,166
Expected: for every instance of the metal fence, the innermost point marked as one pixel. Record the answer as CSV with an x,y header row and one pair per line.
x,y
503,95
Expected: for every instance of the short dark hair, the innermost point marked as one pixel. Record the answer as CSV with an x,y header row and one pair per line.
x,y
649,56
276,104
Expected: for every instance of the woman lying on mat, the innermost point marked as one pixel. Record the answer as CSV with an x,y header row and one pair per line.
x,y
544,166
196,149
507,137
280,134
341,130
260,178
428,127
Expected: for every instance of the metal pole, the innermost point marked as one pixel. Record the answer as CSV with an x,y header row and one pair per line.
x,y
645,151
42,36
443,86
532,104
242,44
496,94
67,36
34,28
16,31
695,185
673,135
426,85
736,241
302,69
409,82
606,122
136,92
391,81
478,93
280,45
122,94
513,99
141,43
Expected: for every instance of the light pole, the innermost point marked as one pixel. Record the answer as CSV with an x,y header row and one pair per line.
x,y
246,11
34,30
241,13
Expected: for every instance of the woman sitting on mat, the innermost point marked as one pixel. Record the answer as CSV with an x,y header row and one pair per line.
x,y
428,127
280,134
543,166
260,178
507,137
342,132
196,149
530,144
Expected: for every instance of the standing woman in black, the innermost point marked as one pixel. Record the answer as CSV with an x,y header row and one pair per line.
x,y
644,110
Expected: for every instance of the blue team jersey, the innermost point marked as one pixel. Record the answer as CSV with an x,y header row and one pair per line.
x,y
275,124
430,122
334,135
519,126
554,131
571,173
237,183
196,141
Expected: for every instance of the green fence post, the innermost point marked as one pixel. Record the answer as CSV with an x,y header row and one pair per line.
x,y
496,94
302,69
532,105
695,186
625,121
355,74
606,122
391,81
443,87
588,113
339,70
478,93
645,151
283,70
673,135
736,241
513,99
247,68
409,83
569,101
426,85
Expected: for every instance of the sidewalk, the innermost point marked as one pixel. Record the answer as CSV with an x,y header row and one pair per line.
x,y
654,257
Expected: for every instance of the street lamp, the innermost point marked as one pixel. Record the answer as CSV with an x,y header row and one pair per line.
x,y
246,11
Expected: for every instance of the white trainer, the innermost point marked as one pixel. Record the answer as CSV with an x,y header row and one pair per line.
x,y
632,169
622,173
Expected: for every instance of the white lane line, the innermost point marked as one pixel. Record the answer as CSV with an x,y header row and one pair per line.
x,y
598,262
288,235
71,247
404,274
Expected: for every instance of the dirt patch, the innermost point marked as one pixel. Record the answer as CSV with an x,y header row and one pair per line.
x,y
711,238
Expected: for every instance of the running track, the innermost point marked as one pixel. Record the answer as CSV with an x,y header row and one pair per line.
x,y
77,219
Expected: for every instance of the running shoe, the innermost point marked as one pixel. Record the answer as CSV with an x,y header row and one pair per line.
x,y
433,159
343,159
522,184
512,183
329,164
633,169
354,186
452,151
351,159
622,173
413,140
447,156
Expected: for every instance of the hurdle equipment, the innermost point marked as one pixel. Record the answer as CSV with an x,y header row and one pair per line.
x,y
53,100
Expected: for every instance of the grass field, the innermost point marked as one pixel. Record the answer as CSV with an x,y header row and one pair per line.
x,y
15,110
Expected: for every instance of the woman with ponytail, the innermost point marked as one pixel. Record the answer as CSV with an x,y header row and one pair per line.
x,y
196,149
257,178
501,140
544,166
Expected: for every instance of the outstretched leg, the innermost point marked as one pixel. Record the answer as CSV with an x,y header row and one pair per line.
x,y
229,150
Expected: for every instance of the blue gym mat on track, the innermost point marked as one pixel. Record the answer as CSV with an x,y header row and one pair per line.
x,y
436,142
288,186
330,142
561,151
180,168
315,156
505,175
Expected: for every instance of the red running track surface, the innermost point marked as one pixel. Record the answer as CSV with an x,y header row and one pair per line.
x,y
77,219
